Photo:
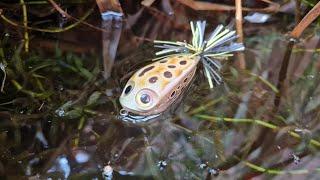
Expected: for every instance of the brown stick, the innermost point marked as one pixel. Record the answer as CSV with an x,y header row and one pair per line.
x,y
306,21
295,34
199,5
109,5
241,58
25,24
283,74
239,20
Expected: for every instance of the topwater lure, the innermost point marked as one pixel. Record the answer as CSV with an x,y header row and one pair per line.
x,y
153,88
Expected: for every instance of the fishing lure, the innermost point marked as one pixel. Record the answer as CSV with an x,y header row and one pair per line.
x,y
153,88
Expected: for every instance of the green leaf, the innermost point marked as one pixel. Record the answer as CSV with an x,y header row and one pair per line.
x,y
78,62
66,105
87,74
93,98
234,72
73,114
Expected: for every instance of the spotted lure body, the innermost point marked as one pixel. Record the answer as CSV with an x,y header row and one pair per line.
x,y
153,88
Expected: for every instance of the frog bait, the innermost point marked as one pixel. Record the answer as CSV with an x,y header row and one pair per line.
x,y
153,88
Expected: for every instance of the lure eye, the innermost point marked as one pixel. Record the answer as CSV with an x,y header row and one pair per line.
x,y
146,99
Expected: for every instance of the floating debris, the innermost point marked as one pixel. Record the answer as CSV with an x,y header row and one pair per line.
x,y
40,136
257,18
310,76
213,171
203,166
82,157
107,172
109,92
60,88
62,165
296,159
162,165
60,112
32,162
125,173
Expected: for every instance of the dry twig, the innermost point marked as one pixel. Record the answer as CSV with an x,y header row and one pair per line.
x,y
306,21
199,5
241,58
295,34
64,14
25,24
109,5
57,30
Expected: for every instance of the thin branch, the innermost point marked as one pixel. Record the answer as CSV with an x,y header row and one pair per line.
x,y
239,20
306,21
56,30
262,169
199,5
241,58
295,34
263,123
25,24
64,14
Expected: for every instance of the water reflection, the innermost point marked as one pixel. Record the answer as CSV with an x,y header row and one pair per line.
x,y
160,146
61,165
110,41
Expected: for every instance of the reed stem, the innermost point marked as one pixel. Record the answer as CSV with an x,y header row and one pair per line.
x,y
240,55
25,24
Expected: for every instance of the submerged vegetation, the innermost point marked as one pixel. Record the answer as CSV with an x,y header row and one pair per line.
x,y
59,97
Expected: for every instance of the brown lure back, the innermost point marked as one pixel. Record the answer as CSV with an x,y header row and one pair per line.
x,y
153,88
